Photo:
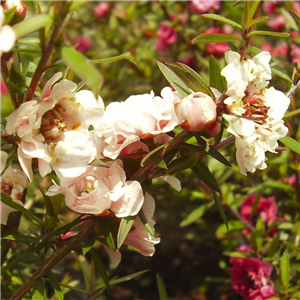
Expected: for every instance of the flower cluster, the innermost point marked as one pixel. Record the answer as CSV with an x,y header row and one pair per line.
x,y
255,112
250,276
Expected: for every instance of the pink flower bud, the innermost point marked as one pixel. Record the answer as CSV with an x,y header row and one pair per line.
x,y
20,11
196,112
203,6
83,44
102,9
277,22
166,36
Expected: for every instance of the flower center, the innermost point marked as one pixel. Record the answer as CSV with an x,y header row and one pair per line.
x,y
255,109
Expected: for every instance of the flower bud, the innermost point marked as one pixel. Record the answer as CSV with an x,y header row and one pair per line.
x,y
101,10
196,112
20,11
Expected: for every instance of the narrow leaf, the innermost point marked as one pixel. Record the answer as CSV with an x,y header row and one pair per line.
x,y
255,21
237,254
38,289
12,234
31,25
174,80
106,232
145,222
81,66
221,19
216,38
252,8
124,228
184,162
196,214
100,267
259,233
291,144
271,33
55,284
216,80
191,78
220,208
161,288
284,271
296,16
126,55
202,171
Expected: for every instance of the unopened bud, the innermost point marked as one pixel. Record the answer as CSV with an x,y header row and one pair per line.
x,y
20,10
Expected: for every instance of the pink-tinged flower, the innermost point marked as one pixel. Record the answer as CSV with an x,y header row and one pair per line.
x,y
83,44
55,129
13,183
296,6
100,189
20,12
267,209
102,9
270,6
203,6
216,49
250,277
277,51
196,112
7,34
140,116
255,112
166,36
277,22
3,88
295,53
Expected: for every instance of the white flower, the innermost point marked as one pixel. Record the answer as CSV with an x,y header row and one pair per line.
x,y
100,189
13,183
55,129
7,34
255,111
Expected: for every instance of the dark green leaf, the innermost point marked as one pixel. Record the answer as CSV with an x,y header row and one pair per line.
x,y
191,78
161,288
174,80
220,208
184,162
216,80
81,66
31,70
274,245
12,234
221,19
145,222
284,273
126,55
202,171
124,228
55,284
38,289
196,214
291,144
16,81
259,233
106,232
100,267
216,38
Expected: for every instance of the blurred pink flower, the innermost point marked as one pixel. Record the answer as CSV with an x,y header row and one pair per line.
x,y
102,9
166,36
203,6
295,53
216,49
277,51
83,44
3,88
250,277
270,6
277,22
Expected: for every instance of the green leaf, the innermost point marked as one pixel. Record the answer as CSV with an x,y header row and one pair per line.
x,y
161,288
277,70
220,208
196,214
126,55
284,272
221,19
81,66
55,284
191,78
31,25
145,222
291,246
252,7
14,235
271,33
174,80
216,80
124,228
203,172
216,38
184,162
237,254
38,289
259,233
31,70
106,232
232,226
16,81
100,267
255,21
291,144
76,4
274,245
296,16
8,201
